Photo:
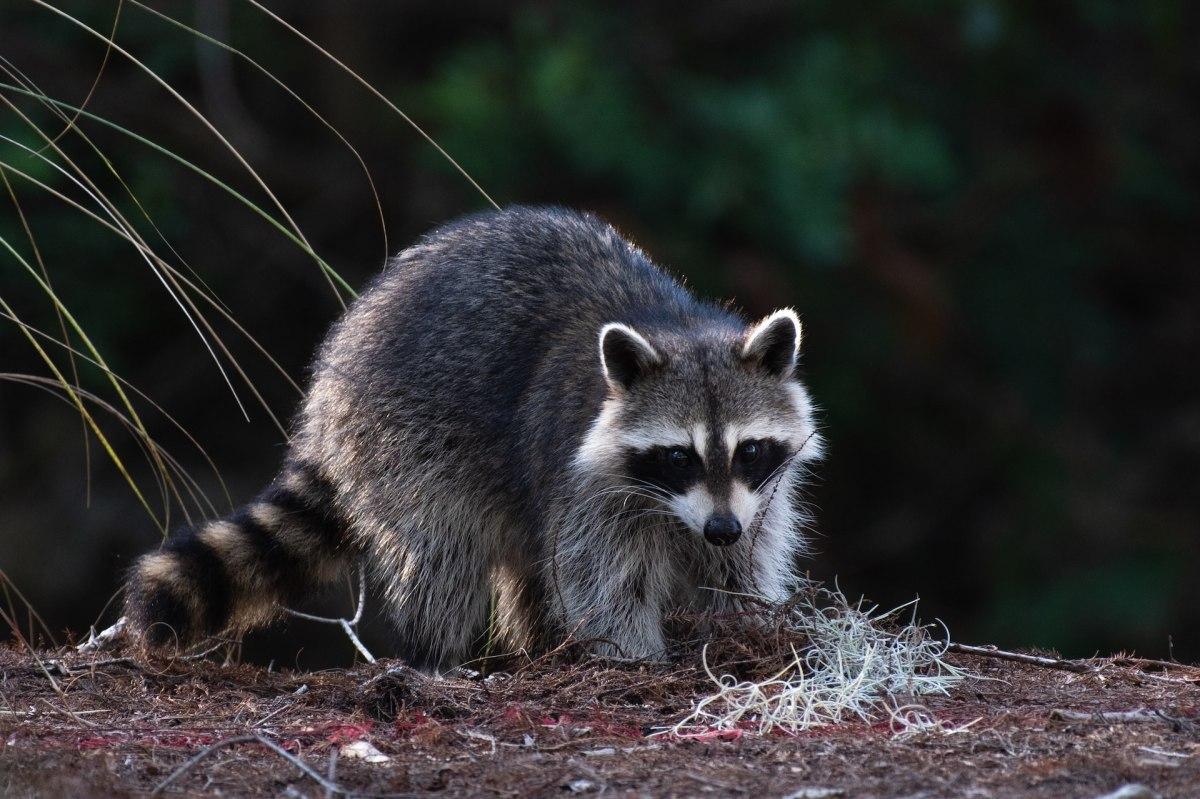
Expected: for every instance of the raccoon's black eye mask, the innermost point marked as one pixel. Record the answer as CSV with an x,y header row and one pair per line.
x,y
676,469
769,455
672,469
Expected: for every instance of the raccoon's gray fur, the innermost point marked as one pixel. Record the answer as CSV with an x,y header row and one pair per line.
x,y
521,406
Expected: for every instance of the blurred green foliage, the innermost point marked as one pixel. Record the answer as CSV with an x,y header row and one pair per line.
x,y
985,212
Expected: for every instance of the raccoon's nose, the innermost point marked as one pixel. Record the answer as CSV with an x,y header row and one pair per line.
x,y
722,529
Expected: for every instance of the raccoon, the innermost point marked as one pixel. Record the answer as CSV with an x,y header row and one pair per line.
x,y
523,421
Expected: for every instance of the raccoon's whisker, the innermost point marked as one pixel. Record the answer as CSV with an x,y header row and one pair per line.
x,y
629,492
637,512
630,480
623,481
663,517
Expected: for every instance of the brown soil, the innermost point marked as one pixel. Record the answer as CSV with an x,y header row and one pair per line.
x,y
120,726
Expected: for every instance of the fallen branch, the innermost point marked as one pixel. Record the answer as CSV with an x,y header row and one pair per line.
x,y
331,788
1076,666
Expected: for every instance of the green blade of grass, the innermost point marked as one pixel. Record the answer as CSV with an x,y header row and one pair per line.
x,y
147,253
62,326
378,94
144,396
66,385
295,96
153,452
262,184
275,223
98,197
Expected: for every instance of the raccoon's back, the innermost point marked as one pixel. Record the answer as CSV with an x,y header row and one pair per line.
x,y
443,353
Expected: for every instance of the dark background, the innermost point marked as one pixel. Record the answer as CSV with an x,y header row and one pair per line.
x,y
986,214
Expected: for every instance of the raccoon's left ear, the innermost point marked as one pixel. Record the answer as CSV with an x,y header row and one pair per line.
x,y
625,355
773,343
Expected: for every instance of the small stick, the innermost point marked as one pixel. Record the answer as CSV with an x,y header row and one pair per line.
x,y
192,761
1077,666
331,788
62,696
349,626
104,638
272,714
1119,716
331,773
1145,663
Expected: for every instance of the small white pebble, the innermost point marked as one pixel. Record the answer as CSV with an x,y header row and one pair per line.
x,y
1131,791
602,752
363,750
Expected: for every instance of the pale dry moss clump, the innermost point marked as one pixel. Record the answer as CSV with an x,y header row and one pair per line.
x,y
857,664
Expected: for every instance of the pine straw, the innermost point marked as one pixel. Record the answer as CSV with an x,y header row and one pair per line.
x,y
121,725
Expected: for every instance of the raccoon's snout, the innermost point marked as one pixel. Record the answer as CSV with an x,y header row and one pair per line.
x,y
722,530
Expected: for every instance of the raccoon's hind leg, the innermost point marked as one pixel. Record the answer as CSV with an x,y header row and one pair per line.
x,y
436,581
520,623
235,572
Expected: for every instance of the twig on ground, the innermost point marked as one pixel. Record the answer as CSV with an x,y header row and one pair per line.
x,y
272,714
1147,663
105,638
192,761
1088,666
1077,666
481,736
331,773
331,788
58,666
62,696
1137,715
349,626
1108,716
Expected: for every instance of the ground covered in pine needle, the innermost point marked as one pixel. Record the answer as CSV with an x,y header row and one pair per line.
x,y
110,723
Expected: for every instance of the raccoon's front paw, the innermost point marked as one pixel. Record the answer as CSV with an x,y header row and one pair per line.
x,y
645,649
659,659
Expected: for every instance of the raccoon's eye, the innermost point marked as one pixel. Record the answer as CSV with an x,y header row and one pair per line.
x,y
679,458
748,452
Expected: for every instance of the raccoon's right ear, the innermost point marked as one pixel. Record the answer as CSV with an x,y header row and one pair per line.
x,y
773,343
625,355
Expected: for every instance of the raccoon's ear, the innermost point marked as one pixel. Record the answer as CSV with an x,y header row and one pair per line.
x,y
773,343
625,356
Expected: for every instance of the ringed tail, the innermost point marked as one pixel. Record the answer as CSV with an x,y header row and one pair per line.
x,y
236,573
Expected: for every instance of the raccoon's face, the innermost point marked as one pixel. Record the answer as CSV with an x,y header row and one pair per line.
x,y
709,422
